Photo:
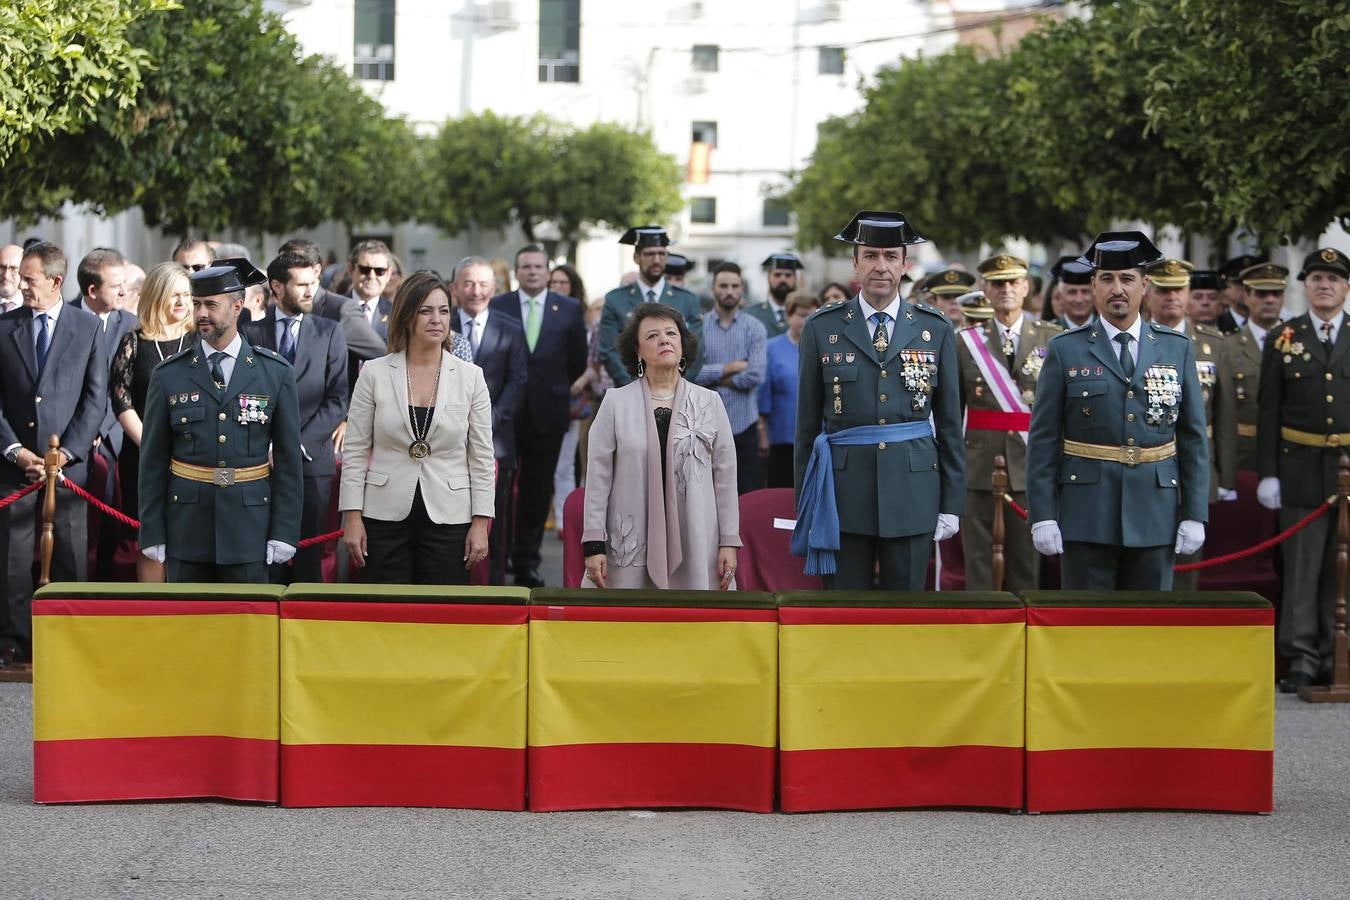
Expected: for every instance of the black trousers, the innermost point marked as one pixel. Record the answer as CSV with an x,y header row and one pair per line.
x,y
902,562
106,531
748,473
308,565
780,471
1103,567
182,571
415,550
70,555
536,458
499,539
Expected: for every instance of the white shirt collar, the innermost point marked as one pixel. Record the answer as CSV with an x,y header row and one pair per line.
x,y
1335,321
1238,317
1015,328
1133,331
659,288
891,309
480,320
526,298
231,349
52,314
1258,332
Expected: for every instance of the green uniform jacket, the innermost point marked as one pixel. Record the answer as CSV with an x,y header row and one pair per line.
x,y
188,419
892,490
983,445
619,306
1082,395
1235,405
764,311
1304,388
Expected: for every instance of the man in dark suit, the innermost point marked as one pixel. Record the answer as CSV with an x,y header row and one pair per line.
x,y
555,334
1232,296
314,346
499,349
53,380
102,279
370,266
363,341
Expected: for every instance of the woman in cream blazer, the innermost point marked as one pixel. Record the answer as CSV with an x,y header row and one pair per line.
x,y
417,466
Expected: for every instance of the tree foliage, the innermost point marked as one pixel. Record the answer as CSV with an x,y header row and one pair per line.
x,y
62,59
489,171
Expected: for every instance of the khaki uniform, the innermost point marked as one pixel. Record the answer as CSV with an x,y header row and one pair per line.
x,y
1022,563
1237,402
1211,367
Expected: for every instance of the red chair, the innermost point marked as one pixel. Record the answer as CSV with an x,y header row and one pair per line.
x,y
766,563
953,551
1235,525
574,563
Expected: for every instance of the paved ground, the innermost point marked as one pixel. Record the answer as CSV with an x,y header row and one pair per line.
x,y
224,850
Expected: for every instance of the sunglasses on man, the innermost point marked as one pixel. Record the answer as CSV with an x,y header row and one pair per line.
x,y
378,271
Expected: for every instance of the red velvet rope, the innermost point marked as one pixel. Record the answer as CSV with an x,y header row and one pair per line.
x,y
320,539
1227,557
21,492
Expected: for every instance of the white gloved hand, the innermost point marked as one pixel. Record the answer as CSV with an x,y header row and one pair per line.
x,y
1047,540
1190,537
947,525
1225,494
1268,493
279,553
155,552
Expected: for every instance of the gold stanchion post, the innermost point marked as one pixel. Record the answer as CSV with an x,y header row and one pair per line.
x,y
1339,689
1000,484
52,462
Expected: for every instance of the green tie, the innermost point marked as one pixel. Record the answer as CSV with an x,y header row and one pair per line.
x,y
532,324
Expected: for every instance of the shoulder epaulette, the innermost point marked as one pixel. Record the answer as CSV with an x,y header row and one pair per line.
x,y
269,354
932,311
1041,323
186,351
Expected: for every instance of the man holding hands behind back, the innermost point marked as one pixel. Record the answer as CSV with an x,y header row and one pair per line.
x,y
1117,455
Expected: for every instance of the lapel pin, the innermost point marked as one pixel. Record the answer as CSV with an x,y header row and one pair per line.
x,y
834,339
909,315
249,360
555,307
196,396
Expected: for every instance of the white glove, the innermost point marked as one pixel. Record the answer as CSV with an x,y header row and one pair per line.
x,y
947,525
1190,537
1047,540
1225,494
1268,493
279,553
155,552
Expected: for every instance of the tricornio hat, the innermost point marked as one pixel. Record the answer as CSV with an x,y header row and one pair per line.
x,y
646,236
1113,251
1206,280
784,260
678,265
225,276
1072,270
873,228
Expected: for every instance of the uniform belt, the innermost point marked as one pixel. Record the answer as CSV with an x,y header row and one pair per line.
x,y
1310,439
1246,430
1126,455
996,420
220,477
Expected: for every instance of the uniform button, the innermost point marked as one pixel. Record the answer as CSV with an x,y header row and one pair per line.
x,y
883,373
881,421
1240,376
1073,477
32,424
222,464
881,446
1129,441
37,399
222,417
265,499
935,465
1129,417
175,498
221,438
836,379
1328,376
183,420
1330,420
1129,395
1330,398
882,398
1174,481
1085,393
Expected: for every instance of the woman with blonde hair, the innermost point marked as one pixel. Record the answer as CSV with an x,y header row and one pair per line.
x,y
165,311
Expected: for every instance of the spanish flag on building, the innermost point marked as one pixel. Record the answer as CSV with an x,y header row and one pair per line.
x,y
647,698
1142,700
154,691
398,695
899,700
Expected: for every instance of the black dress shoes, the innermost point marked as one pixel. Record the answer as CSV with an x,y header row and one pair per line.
x,y
529,579
1293,681
11,653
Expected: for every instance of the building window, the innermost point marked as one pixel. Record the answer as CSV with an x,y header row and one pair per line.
x,y
705,57
703,210
775,212
373,53
560,40
705,133
832,60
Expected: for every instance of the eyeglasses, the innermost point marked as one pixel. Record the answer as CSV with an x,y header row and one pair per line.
x,y
378,271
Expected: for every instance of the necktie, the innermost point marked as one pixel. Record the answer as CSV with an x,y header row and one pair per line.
x,y
651,295
1326,334
1009,349
472,327
287,340
879,339
532,324
44,341
1126,358
217,373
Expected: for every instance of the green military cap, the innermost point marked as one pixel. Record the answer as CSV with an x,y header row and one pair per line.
x,y
949,282
1171,273
1232,269
975,306
1003,267
1328,259
1265,277
1206,280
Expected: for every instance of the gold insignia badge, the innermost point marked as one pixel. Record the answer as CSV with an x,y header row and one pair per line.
x,y
1002,263
1205,349
1328,255
951,277
926,335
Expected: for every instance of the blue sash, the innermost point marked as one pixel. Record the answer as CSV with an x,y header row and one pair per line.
x,y
816,534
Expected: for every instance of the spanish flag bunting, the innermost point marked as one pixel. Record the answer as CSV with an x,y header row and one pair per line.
x,y
396,695
655,699
155,691
900,700
1150,701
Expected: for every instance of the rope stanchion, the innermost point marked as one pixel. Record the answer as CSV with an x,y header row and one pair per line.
x,y
1236,554
20,494
320,539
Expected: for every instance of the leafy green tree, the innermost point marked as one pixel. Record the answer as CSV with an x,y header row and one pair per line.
x,y
62,59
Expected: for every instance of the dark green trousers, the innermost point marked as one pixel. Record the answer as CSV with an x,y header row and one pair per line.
x,y
900,562
1308,611
1102,567
180,571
